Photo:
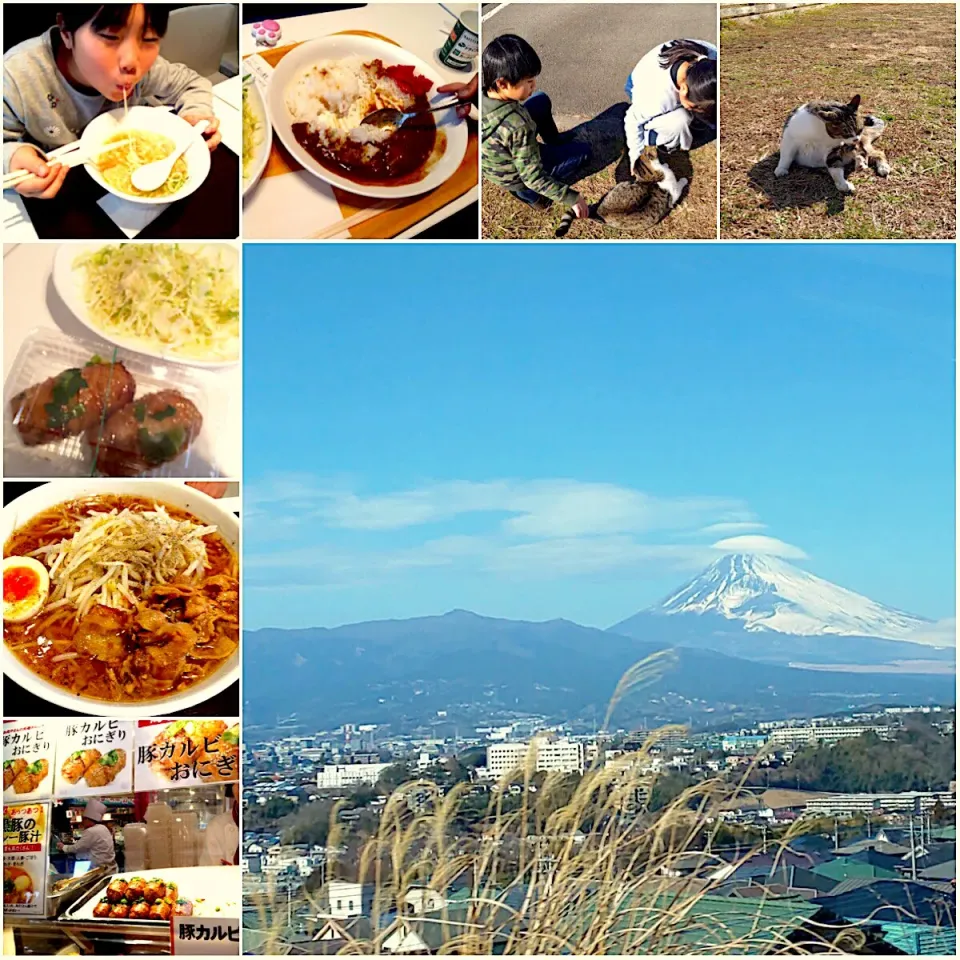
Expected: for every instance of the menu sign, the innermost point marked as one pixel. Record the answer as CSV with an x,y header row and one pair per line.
x,y
95,758
28,756
186,753
205,936
25,838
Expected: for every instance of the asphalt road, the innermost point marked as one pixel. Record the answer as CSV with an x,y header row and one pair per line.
x,y
589,50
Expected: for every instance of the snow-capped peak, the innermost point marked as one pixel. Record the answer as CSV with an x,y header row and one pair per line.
x,y
765,593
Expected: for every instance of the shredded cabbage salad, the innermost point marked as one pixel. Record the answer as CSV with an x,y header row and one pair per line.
x,y
251,133
185,303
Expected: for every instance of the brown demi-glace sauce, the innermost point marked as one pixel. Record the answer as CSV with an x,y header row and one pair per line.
x,y
401,158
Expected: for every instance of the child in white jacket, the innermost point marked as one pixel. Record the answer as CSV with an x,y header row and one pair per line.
x,y
673,102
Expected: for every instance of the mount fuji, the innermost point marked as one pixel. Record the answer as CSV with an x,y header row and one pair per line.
x,y
763,608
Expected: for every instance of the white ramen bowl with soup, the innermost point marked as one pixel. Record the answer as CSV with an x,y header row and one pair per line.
x,y
207,511
155,132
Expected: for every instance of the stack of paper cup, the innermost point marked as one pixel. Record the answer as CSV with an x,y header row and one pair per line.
x,y
135,846
184,832
159,822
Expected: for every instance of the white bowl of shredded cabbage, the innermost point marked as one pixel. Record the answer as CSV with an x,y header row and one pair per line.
x,y
155,132
257,135
172,301
203,508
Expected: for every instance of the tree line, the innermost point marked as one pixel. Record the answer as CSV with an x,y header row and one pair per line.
x,y
920,758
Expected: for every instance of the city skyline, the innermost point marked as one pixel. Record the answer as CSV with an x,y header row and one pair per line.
x,y
580,450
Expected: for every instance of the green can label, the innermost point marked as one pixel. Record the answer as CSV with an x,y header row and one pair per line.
x,y
463,44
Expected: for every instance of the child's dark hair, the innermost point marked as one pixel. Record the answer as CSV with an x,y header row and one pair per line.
x,y
102,16
701,76
508,58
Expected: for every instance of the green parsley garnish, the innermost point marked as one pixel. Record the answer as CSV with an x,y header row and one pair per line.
x,y
163,446
60,411
167,411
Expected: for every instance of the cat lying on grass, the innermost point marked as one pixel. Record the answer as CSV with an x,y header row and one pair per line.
x,y
823,134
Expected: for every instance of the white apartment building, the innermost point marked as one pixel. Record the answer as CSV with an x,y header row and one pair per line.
x,y
291,859
560,756
337,776
826,734
850,803
348,900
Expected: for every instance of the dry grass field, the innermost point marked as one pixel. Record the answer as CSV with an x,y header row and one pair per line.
x,y
901,59
694,218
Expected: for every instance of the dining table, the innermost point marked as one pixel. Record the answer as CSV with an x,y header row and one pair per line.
x,y
292,203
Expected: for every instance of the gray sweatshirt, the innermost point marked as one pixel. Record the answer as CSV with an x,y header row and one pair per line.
x,y
41,107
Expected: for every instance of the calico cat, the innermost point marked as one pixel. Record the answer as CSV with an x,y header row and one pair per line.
x,y
638,201
825,134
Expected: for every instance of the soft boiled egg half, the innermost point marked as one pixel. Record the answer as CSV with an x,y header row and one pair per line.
x,y
26,585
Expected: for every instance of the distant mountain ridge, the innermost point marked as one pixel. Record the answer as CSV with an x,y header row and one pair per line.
x,y
729,630
470,666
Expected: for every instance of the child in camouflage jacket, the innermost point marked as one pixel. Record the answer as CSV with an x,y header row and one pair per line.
x,y
512,116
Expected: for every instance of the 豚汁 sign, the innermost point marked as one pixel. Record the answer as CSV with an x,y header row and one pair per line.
x,y
95,758
25,837
186,753
203,936
28,757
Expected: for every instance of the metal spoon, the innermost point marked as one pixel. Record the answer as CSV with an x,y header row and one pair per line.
x,y
152,176
388,118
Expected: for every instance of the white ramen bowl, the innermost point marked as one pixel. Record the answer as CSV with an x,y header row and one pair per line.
x,y
150,120
339,47
19,512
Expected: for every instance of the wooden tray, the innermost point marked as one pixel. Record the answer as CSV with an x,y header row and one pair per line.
x,y
370,218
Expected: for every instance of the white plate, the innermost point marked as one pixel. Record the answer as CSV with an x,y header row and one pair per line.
x,y
262,154
153,120
68,282
346,45
20,511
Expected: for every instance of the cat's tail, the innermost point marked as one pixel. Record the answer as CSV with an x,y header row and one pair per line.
x,y
566,221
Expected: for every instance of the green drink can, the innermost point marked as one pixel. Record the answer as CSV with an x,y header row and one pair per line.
x,y
462,46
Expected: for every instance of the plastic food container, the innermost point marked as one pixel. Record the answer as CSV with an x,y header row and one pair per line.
x,y
47,353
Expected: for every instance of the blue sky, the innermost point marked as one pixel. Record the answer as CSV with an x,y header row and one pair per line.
x,y
572,430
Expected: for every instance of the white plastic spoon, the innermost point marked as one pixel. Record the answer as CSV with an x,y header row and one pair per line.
x,y
152,176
